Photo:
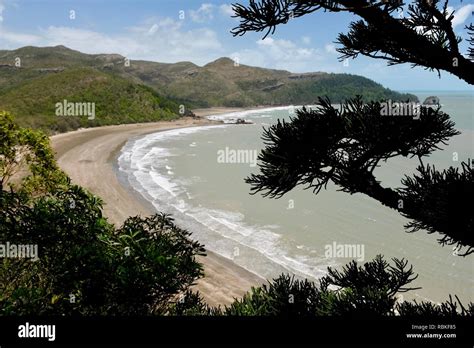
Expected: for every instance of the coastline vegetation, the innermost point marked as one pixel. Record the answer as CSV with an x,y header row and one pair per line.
x,y
87,266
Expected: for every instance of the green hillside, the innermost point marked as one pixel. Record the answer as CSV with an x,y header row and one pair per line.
x,y
139,91
223,83
116,100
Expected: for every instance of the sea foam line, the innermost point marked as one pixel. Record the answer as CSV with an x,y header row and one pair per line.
x,y
141,157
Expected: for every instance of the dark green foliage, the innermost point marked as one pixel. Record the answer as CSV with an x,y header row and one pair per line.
x,y
449,308
65,226
355,291
331,143
136,269
438,202
377,275
191,303
284,296
85,265
154,260
22,149
470,29
116,100
366,291
338,88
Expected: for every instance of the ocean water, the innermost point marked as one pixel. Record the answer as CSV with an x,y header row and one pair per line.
x,y
181,172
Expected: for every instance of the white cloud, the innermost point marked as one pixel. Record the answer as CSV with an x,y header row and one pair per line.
x,y
226,10
461,14
250,57
279,54
330,48
2,8
203,14
306,40
152,26
153,29
88,41
283,49
8,38
170,40
459,17
162,40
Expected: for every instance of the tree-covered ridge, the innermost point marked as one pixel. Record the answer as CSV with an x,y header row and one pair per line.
x,y
219,83
115,99
339,88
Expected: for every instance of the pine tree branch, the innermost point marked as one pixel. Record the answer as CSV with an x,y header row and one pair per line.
x,y
397,38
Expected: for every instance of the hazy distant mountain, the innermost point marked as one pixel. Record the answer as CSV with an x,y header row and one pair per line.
x,y
33,79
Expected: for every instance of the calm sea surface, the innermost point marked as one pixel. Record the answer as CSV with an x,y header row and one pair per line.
x,y
179,172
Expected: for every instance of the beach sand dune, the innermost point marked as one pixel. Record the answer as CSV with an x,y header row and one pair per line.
x,y
88,157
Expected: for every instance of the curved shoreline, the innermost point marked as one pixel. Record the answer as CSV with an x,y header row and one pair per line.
x,y
88,157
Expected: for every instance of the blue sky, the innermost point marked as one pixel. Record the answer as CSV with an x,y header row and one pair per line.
x,y
157,30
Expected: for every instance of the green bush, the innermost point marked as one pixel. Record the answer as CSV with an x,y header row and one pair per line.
x,y
85,265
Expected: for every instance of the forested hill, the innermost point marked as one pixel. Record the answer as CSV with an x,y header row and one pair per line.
x,y
34,79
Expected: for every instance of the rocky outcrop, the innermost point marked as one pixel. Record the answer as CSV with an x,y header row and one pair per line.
x,y
236,121
306,75
431,100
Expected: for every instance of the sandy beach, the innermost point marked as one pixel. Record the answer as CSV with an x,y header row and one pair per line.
x,y
88,157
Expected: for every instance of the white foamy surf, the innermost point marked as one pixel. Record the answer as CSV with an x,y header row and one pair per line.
x,y
146,165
